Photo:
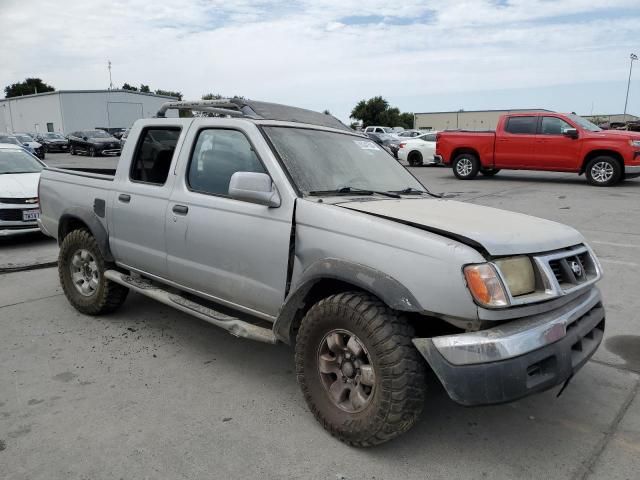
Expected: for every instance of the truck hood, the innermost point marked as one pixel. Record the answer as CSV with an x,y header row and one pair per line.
x,y
617,134
499,232
19,185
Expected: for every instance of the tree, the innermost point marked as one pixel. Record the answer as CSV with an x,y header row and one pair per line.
x,y
144,88
376,111
169,93
126,86
28,87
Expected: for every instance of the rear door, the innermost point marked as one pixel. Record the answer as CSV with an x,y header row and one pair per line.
x,y
515,145
233,251
141,196
554,150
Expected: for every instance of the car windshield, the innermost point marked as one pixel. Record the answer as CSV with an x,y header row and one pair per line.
x,y
53,136
8,139
24,138
321,161
96,134
18,161
584,123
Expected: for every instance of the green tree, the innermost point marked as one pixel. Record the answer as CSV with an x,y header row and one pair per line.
x,y
144,88
126,86
376,111
28,87
169,93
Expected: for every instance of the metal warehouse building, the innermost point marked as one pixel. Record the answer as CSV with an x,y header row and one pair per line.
x,y
464,119
65,111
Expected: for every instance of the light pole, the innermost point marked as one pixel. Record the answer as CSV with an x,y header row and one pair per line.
x,y
633,57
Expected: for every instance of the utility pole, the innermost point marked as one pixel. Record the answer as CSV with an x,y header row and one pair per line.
x,y
110,81
633,57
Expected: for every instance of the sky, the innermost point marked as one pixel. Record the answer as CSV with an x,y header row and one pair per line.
x,y
422,56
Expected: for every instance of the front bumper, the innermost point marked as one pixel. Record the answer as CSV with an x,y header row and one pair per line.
x,y
632,171
520,357
57,147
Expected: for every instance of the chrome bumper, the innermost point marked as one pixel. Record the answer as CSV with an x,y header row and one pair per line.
x,y
631,171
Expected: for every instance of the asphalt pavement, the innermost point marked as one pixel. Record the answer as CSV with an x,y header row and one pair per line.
x,y
149,392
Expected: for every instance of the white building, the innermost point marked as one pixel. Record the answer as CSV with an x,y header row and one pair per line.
x,y
65,111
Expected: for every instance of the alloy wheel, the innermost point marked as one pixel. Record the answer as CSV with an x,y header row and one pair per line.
x,y
346,371
602,172
85,274
464,167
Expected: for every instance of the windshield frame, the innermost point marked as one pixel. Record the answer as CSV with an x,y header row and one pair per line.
x,y
302,193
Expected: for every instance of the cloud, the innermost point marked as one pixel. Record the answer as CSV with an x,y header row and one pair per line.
x,y
321,53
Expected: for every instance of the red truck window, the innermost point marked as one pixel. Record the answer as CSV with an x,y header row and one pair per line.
x,y
553,126
522,125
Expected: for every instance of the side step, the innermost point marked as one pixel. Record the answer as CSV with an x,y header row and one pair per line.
x,y
233,325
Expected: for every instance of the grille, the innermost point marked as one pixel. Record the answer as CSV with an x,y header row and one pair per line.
x,y
11,215
18,201
574,269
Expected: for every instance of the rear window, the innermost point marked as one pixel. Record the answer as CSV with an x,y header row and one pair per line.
x,y
522,125
154,152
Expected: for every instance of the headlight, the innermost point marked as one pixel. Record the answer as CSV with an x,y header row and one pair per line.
x,y
518,274
485,285
635,143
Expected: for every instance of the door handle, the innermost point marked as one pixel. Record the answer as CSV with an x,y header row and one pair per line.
x,y
124,198
180,209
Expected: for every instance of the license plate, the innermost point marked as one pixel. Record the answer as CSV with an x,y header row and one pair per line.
x,y
30,215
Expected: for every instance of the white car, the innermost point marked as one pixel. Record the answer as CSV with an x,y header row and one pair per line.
x,y
19,175
418,150
380,130
28,141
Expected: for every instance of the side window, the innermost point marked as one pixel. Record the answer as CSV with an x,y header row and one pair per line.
x,y
553,126
522,125
430,138
152,159
219,154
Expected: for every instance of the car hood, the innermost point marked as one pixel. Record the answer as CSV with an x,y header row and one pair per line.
x,y
499,232
104,140
617,134
19,185
33,144
55,140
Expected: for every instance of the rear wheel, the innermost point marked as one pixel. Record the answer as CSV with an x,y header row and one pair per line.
x,y
466,166
603,171
360,374
81,268
415,159
92,151
489,172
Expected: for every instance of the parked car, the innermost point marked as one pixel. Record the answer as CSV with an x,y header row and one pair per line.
x,y
53,142
36,148
380,130
19,175
115,132
383,139
313,236
9,138
93,143
543,141
418,150
411,133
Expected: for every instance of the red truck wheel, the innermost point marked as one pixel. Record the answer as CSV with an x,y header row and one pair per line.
x,y
603,171
466,166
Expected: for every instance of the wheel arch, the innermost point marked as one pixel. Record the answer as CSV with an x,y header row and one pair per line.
x,y
462,150
76,218
601,153
331,276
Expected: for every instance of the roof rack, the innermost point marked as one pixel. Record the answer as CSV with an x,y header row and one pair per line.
x,y
223,106
240,107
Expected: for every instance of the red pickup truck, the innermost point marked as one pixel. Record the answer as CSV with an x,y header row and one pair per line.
x,y
543,141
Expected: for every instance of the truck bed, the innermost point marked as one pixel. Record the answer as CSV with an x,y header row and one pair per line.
x,y
452,142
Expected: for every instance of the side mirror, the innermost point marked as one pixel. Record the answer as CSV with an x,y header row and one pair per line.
x,y
255,188
570,132
85,138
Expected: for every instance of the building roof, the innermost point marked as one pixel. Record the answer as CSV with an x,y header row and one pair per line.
x,y
489,111
88,91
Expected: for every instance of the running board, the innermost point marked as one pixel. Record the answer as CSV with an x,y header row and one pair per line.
x,y
233,325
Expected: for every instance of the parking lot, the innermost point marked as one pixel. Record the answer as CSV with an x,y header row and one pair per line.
x,y
148,392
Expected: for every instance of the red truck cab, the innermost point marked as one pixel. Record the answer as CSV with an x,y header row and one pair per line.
x,y
544,141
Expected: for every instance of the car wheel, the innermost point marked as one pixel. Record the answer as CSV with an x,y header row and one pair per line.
x,y
466,166
603,171
72,150
45,148
415,159
489,172
92,151
81,268
359,372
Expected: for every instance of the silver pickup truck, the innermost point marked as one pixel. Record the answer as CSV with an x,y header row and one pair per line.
x,y
279,224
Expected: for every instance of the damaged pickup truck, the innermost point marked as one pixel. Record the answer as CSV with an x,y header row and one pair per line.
x,y
279,224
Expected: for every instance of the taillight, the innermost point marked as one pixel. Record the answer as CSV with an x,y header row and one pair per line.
x,y
401,145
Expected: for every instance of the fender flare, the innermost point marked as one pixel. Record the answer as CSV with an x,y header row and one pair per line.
x,y
383,286
94,225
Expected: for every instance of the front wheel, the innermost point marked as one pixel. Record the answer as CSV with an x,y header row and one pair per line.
x,y
603,171
415,159
466,166
92,151
81,268
360,374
